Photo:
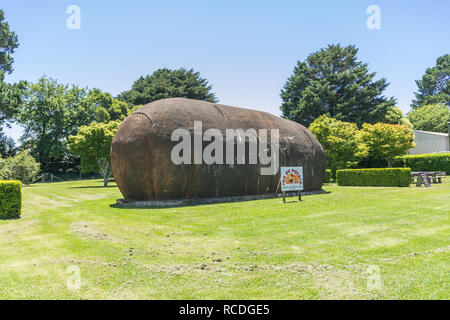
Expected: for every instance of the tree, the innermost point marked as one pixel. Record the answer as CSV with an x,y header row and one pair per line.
x,y
395,116
166,83
332,82
8,43
387,141
105,107
434,87
49,113
432,117
7,145
93,143
9,93
21,167
340,141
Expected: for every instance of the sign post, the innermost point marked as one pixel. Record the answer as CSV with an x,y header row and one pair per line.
x,y
291,180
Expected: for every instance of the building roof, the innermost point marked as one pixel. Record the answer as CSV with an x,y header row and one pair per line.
x,y
434,133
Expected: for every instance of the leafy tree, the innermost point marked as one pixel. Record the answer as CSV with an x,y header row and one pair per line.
x,y
332,82
105,107
340,141
93,143
8,43
7,145
21,167
9,93
387,141
432,117
166,83
434,87
395,116
50,112
118,110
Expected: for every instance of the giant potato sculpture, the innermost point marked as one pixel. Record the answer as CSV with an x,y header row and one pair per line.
x,y
142,148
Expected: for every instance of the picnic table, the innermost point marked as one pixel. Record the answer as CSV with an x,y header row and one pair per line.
x,y
431,176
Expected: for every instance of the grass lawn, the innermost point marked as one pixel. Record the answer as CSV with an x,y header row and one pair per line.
x,y
321,248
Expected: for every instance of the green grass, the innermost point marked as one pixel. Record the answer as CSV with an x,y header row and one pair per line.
x,y
320,248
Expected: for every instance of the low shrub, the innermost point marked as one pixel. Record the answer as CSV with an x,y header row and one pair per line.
x,y
21,167
425,162
328,176
382,177
10,199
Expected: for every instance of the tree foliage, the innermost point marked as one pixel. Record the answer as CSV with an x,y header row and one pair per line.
x,y
93,143
8,43
387,141
9,93
167,83
105,107
395,116
50,112
432,117
21,167
333,82
7,145
340,141
434,87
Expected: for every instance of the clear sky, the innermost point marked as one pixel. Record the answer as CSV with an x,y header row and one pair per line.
x,y
246,49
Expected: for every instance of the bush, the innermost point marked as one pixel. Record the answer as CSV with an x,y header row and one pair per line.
x,y
328,176
383,177
21,167
10,199
425,162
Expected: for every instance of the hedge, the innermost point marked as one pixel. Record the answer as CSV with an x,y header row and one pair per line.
x,y
425,162
382,177
10,199
328,176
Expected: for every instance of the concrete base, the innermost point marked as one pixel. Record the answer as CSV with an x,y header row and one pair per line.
x,y
200,201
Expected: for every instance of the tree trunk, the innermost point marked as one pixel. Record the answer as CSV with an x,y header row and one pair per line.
x,y
390,162
104,167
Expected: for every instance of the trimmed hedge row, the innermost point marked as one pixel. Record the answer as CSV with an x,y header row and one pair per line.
x,y
425,162
10,199
379,177
328,176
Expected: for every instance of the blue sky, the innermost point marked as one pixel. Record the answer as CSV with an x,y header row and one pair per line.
x,y
246,49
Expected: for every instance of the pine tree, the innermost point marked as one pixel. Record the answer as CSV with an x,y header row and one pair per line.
x,y
333,82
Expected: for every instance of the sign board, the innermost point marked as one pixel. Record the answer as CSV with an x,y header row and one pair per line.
x,y
291,178
424,178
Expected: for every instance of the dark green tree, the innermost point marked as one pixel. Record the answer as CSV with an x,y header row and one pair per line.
x,y
333,82
9,93
166,83
8,43
7,145
434,87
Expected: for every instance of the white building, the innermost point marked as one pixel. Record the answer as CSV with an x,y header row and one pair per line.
x,y
430,142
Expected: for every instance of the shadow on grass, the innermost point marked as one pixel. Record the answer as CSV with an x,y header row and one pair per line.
x,y
279,196
89,187
119,206
11,218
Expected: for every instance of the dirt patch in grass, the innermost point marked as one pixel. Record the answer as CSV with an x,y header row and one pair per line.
x,y
332,282
418,253
87,230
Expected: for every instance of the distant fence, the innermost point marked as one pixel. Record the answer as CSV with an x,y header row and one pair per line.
x,y
57,177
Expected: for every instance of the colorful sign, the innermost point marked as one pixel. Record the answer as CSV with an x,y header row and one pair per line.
x,y
291,178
